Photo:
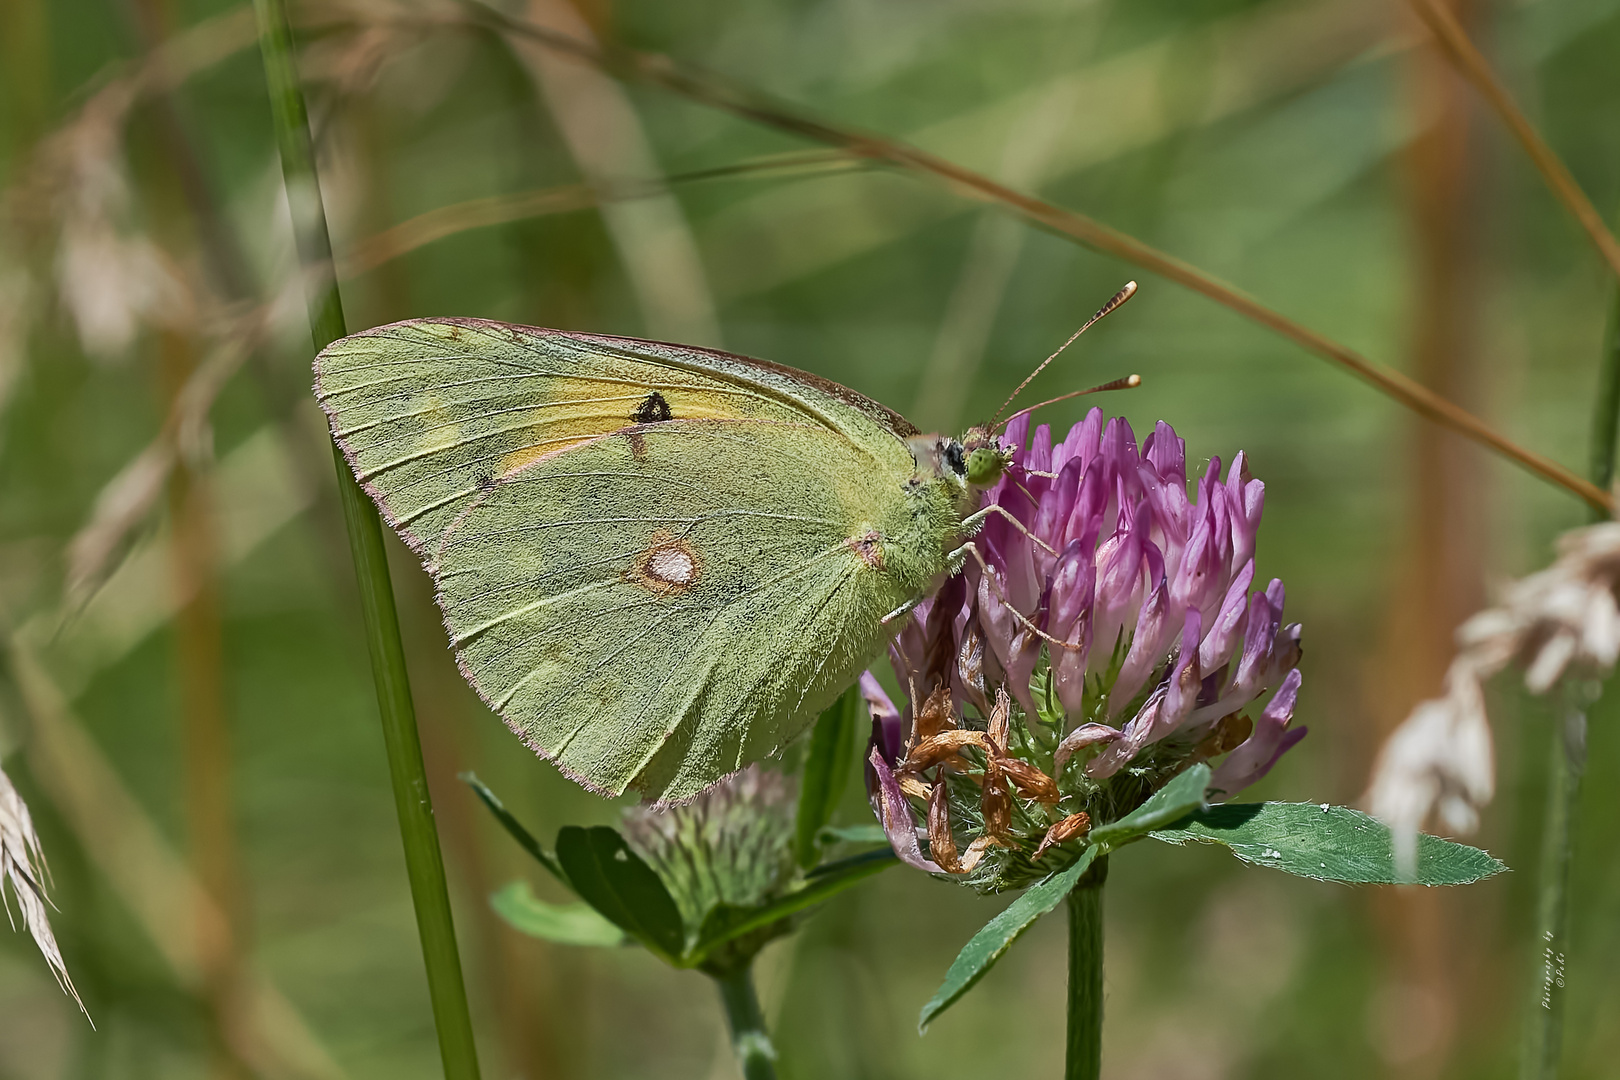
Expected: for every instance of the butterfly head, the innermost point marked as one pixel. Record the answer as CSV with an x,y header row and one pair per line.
x,y
986,457
963,466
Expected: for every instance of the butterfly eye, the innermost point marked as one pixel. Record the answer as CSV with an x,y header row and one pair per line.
x,y
985,465
955,458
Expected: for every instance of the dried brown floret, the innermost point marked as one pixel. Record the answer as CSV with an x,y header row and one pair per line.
x,y
1030,781
915,787
995,803
931,751
941,844
976,852
934,716
1000,720
1069,828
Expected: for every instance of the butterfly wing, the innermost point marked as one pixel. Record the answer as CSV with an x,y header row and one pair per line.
x,y
661,607
651,592
432,411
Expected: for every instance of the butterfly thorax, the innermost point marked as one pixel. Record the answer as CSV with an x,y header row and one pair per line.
x,y
940,497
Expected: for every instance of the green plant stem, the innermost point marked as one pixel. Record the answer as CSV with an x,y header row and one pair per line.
x,y
423,861
1544,1028
1083,1053
749,1038
1606,408
1544,1021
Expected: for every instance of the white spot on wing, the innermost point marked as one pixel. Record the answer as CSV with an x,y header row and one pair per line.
x,y
672,565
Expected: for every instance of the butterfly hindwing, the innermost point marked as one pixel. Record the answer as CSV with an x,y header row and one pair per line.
x,y
661,606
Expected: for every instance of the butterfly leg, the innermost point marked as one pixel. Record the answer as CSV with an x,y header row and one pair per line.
x,y
901,612
959,557
972,522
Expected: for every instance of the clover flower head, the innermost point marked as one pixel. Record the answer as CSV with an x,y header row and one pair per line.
x,y
1111,636
731,845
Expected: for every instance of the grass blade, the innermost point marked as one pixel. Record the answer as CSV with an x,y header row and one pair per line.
x,y
423,860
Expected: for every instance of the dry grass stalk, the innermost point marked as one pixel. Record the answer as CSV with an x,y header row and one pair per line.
x,y
708,89
129,497
209,42
604,136
446,221
111,277
1560,622
75,183
152,880
23,864
1473,66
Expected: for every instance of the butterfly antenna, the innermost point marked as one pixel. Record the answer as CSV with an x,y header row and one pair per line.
x,y
1118,298
1129,382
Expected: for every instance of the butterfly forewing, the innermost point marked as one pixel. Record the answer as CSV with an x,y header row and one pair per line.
x,y
430,412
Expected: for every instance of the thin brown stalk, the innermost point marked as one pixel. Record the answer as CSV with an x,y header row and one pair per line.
x,y
603,134
445,221
1437,571
195,49
186,209
1472,65
205,735
740,101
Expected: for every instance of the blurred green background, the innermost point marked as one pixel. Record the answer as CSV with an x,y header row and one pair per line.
x,y
206,714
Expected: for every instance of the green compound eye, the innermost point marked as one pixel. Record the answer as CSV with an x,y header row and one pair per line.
x,y
986,464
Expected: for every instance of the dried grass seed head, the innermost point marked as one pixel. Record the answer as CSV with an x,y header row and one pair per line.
x,y
1559,622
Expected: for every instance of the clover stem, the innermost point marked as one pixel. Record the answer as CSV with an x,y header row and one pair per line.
x,y
1544,1026
1083,1055
424,863
749,1038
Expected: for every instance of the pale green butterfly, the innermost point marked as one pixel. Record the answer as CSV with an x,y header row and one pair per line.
x,y
657,563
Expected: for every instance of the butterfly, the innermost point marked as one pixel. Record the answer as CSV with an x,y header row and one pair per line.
x,y
658,564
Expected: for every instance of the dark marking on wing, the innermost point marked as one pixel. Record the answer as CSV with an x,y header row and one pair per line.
x,y
874,409
668,567
652,410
